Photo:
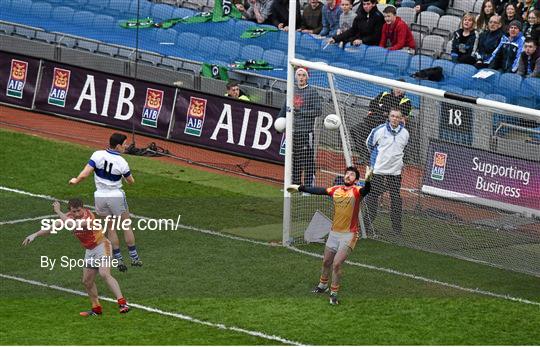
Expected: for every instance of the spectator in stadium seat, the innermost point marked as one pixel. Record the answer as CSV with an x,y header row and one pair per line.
x,y
465,41
437,6
395,33
386,144
312,18
509,15
379,107
366,28
486,12
488,42
506,56
307,107
259,11
531,28
347,16
526,7
330,18
280,14
529,62
234,91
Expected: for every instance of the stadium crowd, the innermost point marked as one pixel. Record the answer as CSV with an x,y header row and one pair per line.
x,y
504,35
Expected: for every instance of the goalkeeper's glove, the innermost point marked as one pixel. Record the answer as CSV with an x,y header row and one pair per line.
x,y
293,188
369,174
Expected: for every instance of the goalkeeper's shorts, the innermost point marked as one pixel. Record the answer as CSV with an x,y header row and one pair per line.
x,y
341,240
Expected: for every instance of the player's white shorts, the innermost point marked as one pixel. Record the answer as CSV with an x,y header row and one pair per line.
x,y
338,241
110,204
98,256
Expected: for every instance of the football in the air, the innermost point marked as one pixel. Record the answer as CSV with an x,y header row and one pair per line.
x,y
280,124
332,122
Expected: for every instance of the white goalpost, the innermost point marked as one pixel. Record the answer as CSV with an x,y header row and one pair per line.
x,y
470,186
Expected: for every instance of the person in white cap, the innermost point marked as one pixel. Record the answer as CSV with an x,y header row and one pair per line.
x,y
307,107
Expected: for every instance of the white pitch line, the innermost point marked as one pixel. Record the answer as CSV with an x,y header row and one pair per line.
x,y
161,312
294,249
26,219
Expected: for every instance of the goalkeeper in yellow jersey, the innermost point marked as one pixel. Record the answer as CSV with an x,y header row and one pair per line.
x,y
344,233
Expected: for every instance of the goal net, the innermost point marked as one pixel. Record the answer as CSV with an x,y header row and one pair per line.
x,y
470,184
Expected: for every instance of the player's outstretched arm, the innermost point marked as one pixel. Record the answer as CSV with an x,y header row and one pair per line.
x,y
87,171
42,232
313,190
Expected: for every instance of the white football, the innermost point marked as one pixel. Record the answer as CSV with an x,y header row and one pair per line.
x,y
280,124
332,122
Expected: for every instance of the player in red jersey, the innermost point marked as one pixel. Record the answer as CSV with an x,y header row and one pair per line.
x,y
344,233
98,252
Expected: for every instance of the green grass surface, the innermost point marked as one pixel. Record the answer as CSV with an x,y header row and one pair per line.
x,y
251,286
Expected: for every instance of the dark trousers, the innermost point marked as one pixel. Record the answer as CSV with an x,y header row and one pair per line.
x,y
303,160
380,184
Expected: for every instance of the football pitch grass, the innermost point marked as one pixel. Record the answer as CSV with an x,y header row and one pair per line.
x,y
229,282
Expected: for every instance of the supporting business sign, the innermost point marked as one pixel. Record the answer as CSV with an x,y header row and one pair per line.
x,y
227,124
482,177
18,76
110,100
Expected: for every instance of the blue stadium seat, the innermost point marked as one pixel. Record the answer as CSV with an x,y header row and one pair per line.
x,y
144,9
309,45
164,36
342,65
430,84
510,86
206,50
186,43
161,12
251,52
41,11
531,91
242,25
352,56
475,93
462,75
104,25
419,62
224,30
375,57
18,11
495,97
361,68
274,57
447,66
486,85
62,14
83,19
180,12
397,62
229,50
453,89
96,6
119,7
5,6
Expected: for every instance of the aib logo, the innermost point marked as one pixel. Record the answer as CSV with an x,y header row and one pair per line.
x,y
195,116
60,87
152,107
17,78
439,166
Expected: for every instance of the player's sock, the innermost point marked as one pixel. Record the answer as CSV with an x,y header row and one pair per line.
x,y
334,289
97,309
133,253
117,254
123,306
323,282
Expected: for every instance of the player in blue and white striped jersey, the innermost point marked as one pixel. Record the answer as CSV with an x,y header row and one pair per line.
x,y
109,169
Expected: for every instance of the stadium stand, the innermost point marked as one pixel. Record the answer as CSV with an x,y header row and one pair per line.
x,y
92,27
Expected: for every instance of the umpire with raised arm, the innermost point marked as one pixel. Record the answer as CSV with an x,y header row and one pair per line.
x,y
386,144
307,107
